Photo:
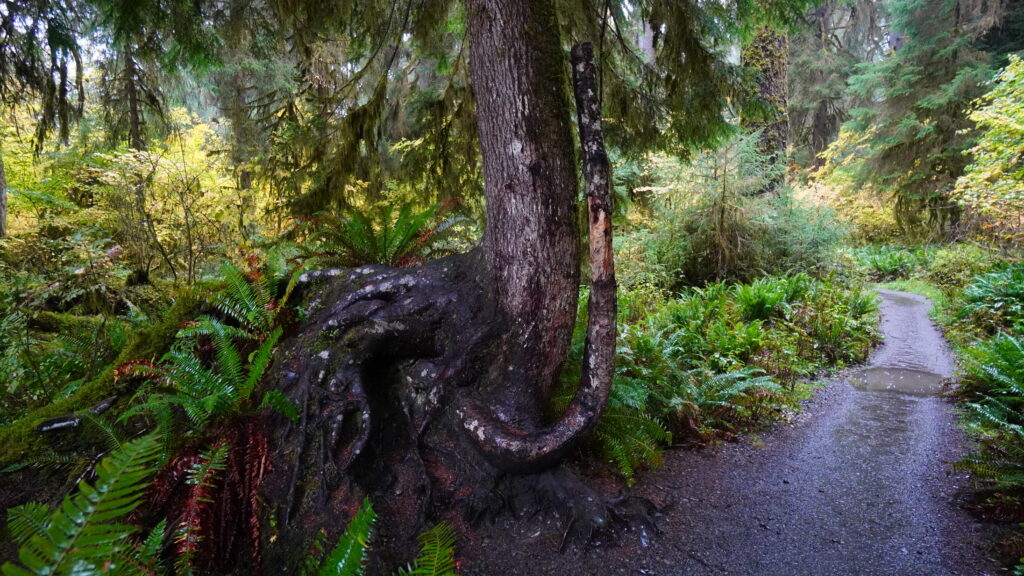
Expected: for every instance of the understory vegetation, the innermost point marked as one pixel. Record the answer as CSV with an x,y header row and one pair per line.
x,y
103,346
170,171
712,362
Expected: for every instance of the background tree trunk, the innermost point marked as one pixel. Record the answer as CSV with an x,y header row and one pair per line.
x,y
3,199
136,139
766,57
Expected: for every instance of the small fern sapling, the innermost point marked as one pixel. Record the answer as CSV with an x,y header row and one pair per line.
x,y
437,553
379,236
348,556
206,393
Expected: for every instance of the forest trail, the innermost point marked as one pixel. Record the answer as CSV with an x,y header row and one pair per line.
x,y
860,484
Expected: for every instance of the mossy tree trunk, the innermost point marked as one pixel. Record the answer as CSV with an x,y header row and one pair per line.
x,y
766,56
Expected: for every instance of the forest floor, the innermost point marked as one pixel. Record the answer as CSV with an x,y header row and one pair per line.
x,y
860,483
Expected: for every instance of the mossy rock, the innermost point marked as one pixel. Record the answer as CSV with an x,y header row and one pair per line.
x,y
22,437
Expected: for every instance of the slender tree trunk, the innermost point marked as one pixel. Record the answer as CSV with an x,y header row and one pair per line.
x,y
766,56
3,198
135,123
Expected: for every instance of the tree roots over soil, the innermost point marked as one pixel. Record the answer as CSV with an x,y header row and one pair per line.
x,y
389,375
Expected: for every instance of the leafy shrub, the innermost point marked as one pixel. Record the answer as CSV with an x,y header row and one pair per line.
x,y
993,183
706,225
953,267
86,533
865,213
995,376
995,368
718,359
762,298
885,263
45,357
206,374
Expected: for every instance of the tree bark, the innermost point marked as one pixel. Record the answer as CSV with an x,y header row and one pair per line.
x,y
766,56
531,244
131,78
424,388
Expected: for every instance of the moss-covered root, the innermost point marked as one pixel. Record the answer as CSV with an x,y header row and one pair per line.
x,y
22,438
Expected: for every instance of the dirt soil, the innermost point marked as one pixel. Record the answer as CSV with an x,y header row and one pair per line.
x,y
860,483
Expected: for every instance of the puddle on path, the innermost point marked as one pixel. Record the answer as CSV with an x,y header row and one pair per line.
x,y
898,380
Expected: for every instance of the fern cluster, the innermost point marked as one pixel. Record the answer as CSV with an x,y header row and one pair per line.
x,y
995,377
379,236
719,359
87,533
996,299
207,389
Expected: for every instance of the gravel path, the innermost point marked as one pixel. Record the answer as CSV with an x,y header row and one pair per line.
x,y
860,484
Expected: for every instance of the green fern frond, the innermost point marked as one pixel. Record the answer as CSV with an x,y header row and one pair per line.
x,y
202,477
631,438
211,461
246,302
347,556
277,401
437,553
148,553
82,535
210,327
258,362
110,436
47,459
229,361
27,520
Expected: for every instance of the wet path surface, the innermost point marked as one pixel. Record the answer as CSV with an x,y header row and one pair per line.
x,y
861,484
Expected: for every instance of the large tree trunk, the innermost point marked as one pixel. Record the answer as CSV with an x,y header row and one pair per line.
x,y
531,240
766,57
425,387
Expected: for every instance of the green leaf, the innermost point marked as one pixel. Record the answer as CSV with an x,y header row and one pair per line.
x,y
437,553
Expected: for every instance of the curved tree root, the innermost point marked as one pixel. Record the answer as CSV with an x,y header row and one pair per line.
x,y
381,379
